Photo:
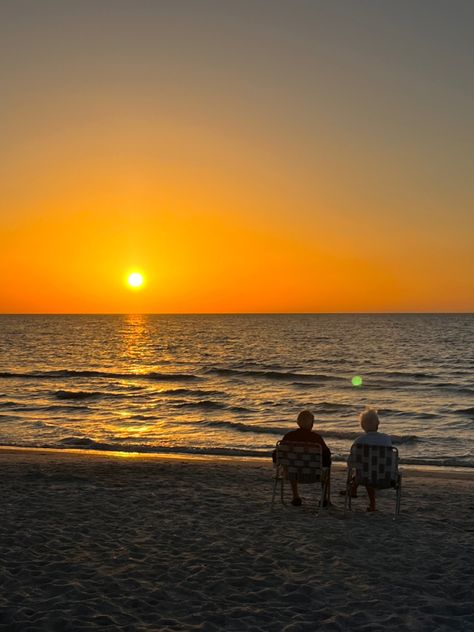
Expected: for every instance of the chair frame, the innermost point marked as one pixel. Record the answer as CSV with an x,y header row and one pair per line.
x,y
371,477
302,460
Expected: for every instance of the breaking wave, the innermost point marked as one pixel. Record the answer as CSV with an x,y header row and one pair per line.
x,y
85,443
273,375
67,373
280,431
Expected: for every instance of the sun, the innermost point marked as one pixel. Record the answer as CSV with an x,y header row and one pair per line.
x,y
135,280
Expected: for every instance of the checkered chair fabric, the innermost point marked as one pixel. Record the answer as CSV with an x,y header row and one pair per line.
x,y
302,461
376,465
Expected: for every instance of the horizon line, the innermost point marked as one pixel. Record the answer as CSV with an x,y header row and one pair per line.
x,y
348,313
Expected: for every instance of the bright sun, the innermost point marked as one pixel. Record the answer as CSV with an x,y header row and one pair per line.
x,y
135,280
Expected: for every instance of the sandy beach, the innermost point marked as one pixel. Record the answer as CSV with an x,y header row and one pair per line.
x,y
106,542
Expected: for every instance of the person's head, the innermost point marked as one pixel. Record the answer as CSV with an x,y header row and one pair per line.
x,y
369,420
305,420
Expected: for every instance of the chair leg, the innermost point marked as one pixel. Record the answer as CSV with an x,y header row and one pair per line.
x,y
399,497
324,487
348,498
281,491
274,491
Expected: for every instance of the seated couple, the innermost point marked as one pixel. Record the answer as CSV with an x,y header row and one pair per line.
x,y
369,422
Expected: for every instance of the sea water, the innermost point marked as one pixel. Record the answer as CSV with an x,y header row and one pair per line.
x,y
234,384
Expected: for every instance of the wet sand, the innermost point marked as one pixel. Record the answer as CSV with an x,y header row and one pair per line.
x,y
107,542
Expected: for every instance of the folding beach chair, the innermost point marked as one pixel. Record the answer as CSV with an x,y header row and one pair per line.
x,y
302,462
376,466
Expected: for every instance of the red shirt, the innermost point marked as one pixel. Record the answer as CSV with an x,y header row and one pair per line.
x,y
310,436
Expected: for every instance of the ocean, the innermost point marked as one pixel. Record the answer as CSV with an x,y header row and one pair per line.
x,y
234,384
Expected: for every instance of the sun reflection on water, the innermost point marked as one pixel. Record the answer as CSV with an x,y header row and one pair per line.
x,y
136,339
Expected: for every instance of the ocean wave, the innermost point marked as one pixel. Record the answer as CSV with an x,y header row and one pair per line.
x,y
190,392
452,388
4,417
85,443
352,436
392,412
62,408
166,377
206,404
141,417
209,404
31,408
240,409
306,385
329,407
68,373
465,411
10,404
385,384
79,394
273,375
464,390
441,461
239,426
90,444
408,374
348,435
409,381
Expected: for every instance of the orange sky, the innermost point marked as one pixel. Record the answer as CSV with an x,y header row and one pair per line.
x,y
241,164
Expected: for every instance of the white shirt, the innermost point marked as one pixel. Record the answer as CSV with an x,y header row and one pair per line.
x,y
373,438
376,438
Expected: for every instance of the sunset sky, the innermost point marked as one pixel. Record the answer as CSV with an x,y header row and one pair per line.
x,y
247,156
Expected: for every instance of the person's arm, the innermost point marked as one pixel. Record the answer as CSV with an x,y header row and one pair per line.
x,y
326,454
350,452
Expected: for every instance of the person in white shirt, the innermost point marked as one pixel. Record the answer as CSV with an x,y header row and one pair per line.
x,y
369,421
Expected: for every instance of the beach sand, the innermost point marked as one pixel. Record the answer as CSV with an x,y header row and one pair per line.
x,y
103,542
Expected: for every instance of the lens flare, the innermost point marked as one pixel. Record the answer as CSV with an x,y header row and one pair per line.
x,y
356,380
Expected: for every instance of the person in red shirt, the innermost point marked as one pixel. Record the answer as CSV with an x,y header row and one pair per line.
x,y
305,432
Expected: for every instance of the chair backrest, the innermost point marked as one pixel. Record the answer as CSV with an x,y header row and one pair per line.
x,y
302,461
376,465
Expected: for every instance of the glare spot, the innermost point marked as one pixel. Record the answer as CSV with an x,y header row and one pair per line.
x,y
356,380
